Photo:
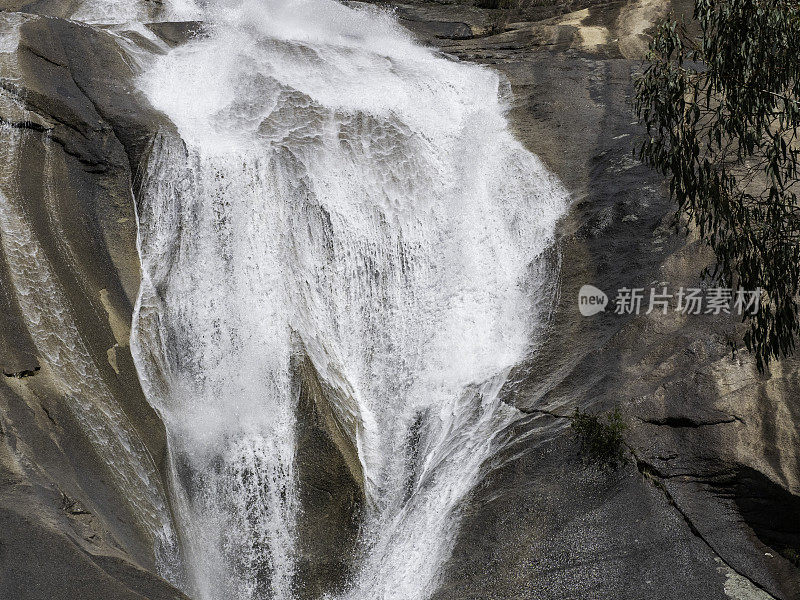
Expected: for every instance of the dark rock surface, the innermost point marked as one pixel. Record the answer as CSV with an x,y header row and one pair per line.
x,y
547,526
330,489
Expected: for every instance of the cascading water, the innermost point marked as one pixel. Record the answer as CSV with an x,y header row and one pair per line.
x,y
336,189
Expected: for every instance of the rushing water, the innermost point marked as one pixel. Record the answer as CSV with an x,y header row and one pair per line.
x,y
336,189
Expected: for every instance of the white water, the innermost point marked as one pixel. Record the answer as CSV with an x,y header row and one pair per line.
x,y
337,188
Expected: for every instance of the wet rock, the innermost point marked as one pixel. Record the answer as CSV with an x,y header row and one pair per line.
x,y
79,129
176,33
330,490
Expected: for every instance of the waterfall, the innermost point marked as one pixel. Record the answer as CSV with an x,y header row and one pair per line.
x,y
337,190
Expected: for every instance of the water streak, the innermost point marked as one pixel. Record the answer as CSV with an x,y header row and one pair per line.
x,y
63,353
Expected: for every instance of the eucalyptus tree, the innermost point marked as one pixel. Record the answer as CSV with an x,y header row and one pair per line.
x,y
719,98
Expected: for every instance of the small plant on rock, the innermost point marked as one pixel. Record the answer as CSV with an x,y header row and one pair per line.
x,y
601,439
498,22
792,555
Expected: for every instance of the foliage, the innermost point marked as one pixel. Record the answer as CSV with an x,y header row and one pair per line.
x,y
601,440
792,555
722,116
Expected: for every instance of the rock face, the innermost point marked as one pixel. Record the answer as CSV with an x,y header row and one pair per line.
x,y
73,130
708,505
330,489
